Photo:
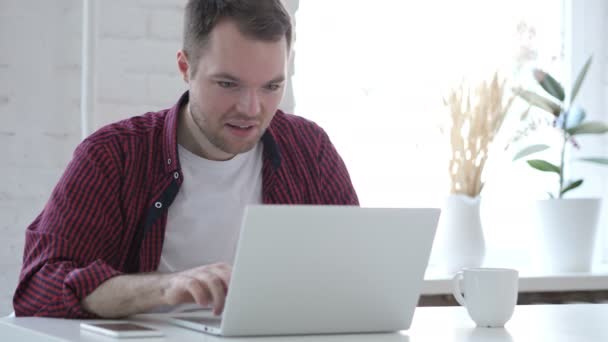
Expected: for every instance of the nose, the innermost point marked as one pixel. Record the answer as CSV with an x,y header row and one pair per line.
x,y
249,103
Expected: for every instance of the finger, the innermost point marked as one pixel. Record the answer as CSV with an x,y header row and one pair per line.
x,y
225,275
199,292
217,288
222,270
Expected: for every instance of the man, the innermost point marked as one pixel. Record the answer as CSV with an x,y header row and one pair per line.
x,y
147,213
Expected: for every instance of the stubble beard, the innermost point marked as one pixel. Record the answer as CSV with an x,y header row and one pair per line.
x,y
215,139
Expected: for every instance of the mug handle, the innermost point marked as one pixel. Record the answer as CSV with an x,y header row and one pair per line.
x,y
456,288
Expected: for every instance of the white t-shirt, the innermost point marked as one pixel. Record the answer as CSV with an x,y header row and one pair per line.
x,y
205,217
204,220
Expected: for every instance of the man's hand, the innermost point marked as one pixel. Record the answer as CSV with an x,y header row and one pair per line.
x,y
130,294
205,285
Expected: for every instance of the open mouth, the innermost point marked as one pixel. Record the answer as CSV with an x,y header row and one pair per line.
x,y
244,128
240,130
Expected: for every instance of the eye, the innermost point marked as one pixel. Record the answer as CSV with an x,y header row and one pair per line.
x,y
226,84
273,86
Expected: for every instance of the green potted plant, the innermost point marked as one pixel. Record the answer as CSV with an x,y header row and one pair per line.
x,y
568,225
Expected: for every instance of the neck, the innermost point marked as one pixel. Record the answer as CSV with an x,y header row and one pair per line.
x,y
191,138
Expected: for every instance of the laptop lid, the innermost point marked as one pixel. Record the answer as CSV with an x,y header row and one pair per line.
x,y
327,269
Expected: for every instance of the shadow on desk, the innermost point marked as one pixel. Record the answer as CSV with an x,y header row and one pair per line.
x,y
526,298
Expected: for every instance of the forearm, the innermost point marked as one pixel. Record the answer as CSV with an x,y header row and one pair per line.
x,y
55,289
126,295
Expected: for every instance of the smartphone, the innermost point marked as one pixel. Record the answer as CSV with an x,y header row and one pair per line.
x,y
121,329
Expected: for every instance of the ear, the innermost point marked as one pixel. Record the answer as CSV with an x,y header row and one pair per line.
x,y
183,66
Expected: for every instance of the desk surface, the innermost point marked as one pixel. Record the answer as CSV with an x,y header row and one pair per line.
x,y
571,322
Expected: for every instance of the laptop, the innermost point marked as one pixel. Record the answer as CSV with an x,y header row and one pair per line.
x,y
324,270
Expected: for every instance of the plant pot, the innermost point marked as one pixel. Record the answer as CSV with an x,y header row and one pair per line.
x,y
567,231
460,239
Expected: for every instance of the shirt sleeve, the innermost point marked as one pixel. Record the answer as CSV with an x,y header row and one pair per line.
x,y
335,184
73,245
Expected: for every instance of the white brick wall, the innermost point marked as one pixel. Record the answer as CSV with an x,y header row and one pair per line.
x,y
39,105
136,57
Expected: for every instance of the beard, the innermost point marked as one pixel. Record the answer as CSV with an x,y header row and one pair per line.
x,y
215,134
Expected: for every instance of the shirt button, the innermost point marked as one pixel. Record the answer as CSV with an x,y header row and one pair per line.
x,y
176,175
169,161
158,205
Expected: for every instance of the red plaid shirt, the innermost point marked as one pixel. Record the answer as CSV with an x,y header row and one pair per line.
x,y
108,213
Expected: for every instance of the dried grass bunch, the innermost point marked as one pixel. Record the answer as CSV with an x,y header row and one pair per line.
x,y
477,114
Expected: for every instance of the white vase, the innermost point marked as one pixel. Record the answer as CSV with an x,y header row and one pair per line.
x,y
567,228
460,236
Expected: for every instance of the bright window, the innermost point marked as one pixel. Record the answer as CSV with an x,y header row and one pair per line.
x,y
373,73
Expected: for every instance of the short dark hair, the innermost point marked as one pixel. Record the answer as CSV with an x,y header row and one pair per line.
x,y
266,20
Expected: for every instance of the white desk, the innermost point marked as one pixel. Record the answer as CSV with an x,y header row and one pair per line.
x,y
571,323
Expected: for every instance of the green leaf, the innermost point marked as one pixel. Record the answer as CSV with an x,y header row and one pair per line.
x,y
571,185
539,101
550,85
592,127
544,166
603,161
529,150
579,79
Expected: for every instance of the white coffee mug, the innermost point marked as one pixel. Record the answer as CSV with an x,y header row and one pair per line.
x,y
490,294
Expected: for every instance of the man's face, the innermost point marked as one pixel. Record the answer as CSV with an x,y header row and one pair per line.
x,y
235,92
